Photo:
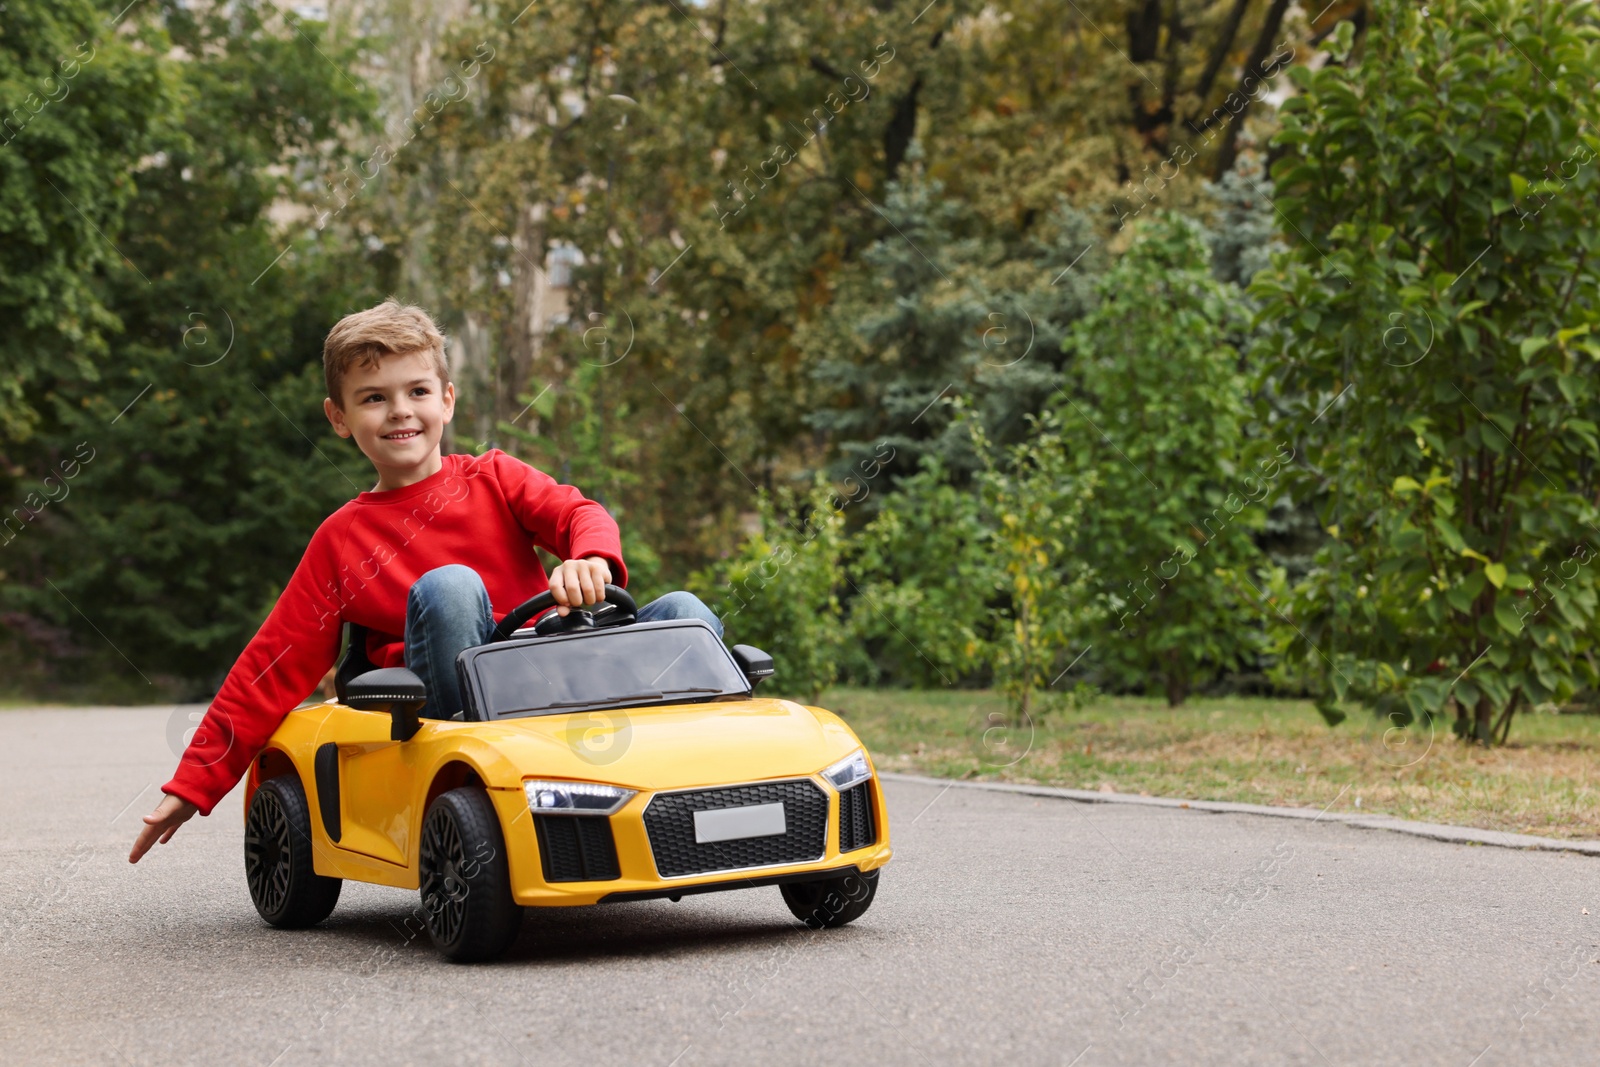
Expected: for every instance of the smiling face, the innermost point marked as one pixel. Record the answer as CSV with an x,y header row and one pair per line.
x,y
396,410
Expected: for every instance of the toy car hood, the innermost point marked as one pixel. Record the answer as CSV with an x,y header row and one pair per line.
x,y
647,748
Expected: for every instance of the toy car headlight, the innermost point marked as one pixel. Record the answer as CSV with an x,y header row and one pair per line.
x,y
575,798
851,770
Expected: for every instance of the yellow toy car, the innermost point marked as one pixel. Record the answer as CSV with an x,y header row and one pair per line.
x,y
599,759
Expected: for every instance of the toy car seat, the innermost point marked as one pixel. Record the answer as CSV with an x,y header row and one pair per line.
x,y
354,662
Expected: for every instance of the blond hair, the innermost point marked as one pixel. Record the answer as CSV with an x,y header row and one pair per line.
x,y
390,329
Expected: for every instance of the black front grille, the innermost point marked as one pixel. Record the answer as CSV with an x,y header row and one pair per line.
x,y
856,828
669,819
576,848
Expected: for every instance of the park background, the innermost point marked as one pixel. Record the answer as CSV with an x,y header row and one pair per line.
x,y
1172,396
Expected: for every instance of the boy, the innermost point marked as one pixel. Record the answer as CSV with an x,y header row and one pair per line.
x,y
427,560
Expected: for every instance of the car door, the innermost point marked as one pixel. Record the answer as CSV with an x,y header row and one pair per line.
x,y
376,785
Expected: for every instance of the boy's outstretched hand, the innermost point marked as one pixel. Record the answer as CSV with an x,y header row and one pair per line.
x,y
170,814
579,581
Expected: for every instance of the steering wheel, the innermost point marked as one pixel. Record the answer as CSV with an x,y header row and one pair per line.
x,y
617,609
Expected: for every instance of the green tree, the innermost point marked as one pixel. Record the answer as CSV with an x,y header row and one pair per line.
x,y
82,101
1155,406
211,461
909,334
1430,350
1243,227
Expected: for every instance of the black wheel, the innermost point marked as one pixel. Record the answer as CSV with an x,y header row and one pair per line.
x,y
832,902
466,883
277,858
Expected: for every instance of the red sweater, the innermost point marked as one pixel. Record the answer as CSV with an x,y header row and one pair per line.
x,y
487,512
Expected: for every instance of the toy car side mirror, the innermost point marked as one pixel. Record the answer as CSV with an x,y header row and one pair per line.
x,y
392,689
756,664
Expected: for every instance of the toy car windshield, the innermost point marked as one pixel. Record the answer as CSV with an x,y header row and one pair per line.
x,y
651,663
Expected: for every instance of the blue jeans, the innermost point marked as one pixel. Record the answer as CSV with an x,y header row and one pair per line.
x,y
448,611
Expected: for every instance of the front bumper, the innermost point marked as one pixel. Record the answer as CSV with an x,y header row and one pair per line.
x,y
638,859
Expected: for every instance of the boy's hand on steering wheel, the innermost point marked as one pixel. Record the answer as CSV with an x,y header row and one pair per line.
x,y
579,581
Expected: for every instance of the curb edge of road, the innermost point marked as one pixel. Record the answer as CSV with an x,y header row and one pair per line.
x,y
1461,835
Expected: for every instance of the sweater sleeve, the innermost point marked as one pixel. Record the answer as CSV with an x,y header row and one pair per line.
x,y
558,516
279,668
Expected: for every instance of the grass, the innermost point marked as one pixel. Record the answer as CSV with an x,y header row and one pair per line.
x,y
1258,750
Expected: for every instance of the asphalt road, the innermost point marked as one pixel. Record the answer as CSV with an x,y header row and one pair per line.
x,y
1008,929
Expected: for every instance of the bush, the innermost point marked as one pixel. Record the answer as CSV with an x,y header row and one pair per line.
x,y
968,584
921,612
780,592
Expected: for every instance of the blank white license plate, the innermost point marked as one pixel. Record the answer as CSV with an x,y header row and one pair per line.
x,y
732,824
